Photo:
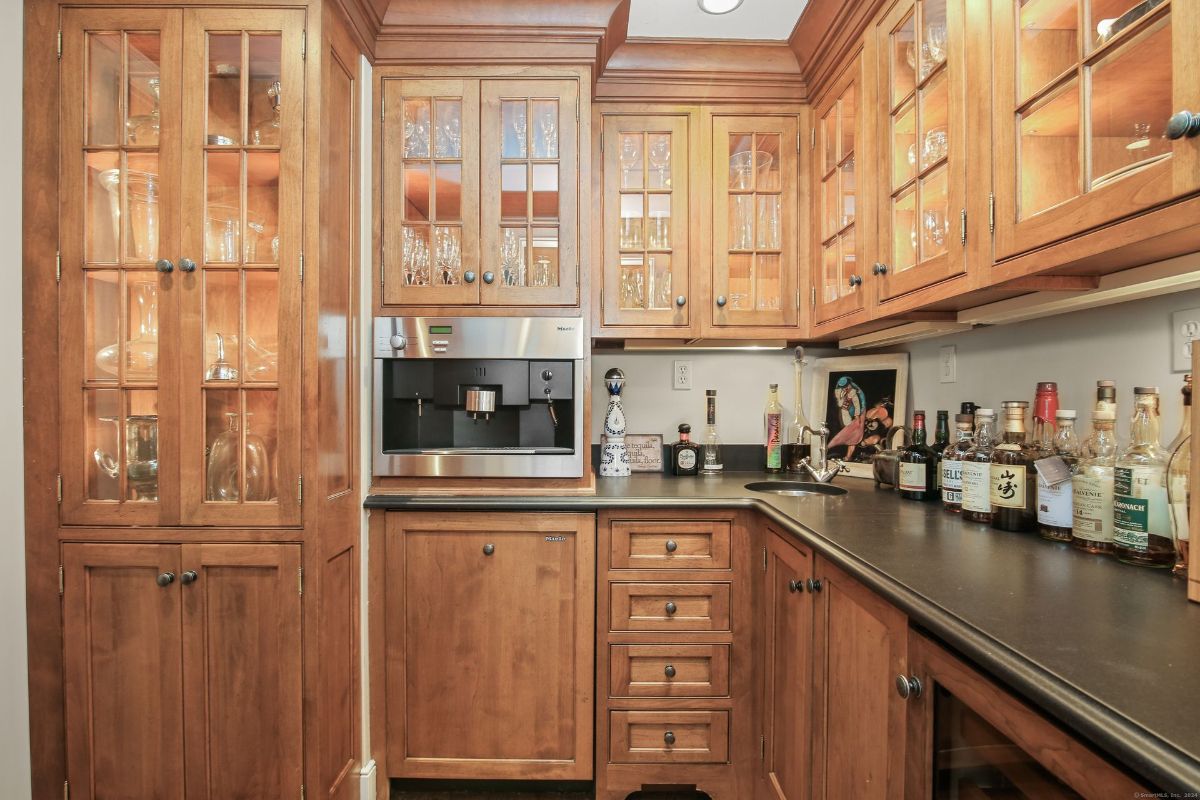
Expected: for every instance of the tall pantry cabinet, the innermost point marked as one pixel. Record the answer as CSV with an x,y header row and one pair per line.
x,y
191,470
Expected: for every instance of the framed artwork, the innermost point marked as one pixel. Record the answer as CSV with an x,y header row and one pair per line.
x,y
859,398
645,452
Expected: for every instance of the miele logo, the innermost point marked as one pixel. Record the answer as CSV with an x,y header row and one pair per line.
x,y
566,328
556,538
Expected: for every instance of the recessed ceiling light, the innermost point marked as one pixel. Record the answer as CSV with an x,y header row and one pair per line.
x,y
718,6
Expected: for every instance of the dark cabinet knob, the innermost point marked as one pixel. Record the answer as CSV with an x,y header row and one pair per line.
x,y
669,671
488,277
672,546
489,548
1183,124
879,269
855,280
669,737
814,584
164,265
188,577
187,265
721,301
908,686
468,277
671,607
681,301
795,586
165,579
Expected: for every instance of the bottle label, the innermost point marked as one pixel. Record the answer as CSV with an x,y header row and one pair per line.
x,y
1054,504
975,479
774,450
1092,507
1139,506
952,472
1007,489
912,477
686,458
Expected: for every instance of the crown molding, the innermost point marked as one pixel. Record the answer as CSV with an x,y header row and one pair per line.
x,y
827,32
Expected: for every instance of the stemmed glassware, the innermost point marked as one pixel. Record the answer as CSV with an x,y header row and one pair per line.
x,y
512,259
632,289
660,160
631,162
449,131
547,141
449,257
415,259
416,131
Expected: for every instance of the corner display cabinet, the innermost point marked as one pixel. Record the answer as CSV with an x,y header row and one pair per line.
x,y
187,375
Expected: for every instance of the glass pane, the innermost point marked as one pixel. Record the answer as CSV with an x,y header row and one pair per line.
x,y
904,60
659,156
935,143
971,758
1049,153
261,351
222,240
265,89
935,217
849,262
1108,18
829,272
141,206
545,257
904,146
141,446
659,295
262,436
101,321
741,222
415,260
545,129
447,117
741,162
848,189
101,441
904,230
545,191
830,207
658,230
416,191
1130,104
141,97
769,274
514,126
933,36
447,255
103,88
416,128
1048,44
222,325
767,172
631,222
846,113
829,141
514,199
262,208
447,192
768,222
631,160
633,281
740,274
141,348
224,88
514,257
102,223
222,439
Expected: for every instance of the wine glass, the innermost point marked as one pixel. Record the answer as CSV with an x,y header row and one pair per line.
x,y
631,162
935,45
660,160
548,128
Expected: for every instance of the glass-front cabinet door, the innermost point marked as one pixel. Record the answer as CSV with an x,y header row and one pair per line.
x,y
755,221
1095,116
645,221
430,187
529,192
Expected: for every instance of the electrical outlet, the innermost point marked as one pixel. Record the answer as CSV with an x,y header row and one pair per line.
x,y
1185,327
947,366
683,375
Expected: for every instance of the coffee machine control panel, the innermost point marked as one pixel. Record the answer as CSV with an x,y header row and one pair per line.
x,y
479,337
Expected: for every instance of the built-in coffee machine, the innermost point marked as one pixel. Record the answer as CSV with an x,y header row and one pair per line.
x,y
479,397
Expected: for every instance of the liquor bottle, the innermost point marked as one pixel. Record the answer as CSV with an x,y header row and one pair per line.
x,y
951,467
1141,524
1012,475
1054,503
1045,406
685,454
772,421
710,448
1106,400
977,470
918,465
968,408
941,436
1092,489
1179,483
798,444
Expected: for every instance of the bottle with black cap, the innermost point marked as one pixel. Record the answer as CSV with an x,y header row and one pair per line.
x,y
685,454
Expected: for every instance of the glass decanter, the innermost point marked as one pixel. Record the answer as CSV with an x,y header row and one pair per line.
x,y
267,131
258,466
141,351
222,478
1179,470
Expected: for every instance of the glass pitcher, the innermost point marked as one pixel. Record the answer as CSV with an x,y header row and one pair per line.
x,y
141,457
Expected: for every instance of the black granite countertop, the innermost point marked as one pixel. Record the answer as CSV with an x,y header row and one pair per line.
x,y
1112,651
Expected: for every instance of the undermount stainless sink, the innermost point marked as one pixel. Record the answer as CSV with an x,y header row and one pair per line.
x,y
795,488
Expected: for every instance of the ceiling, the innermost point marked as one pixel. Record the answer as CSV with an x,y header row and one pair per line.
x,y
683,19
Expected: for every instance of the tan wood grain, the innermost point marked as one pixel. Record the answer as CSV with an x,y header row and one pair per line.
x,y
661,544
668,670
640,737
644,606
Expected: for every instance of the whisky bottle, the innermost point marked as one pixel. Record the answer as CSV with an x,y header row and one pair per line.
x,y
1054,503
1141,524
1045,406
1092,489
977,470
710,447
685,454
941,435
918,465
772,422
951,466
1012,475
1106,400
1179,482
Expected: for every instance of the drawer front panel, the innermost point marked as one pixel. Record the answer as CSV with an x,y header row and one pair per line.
x,y
669,606
669,737
666,544
676,670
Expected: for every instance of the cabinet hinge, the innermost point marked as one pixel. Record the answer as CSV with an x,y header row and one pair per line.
x,y
381,111
58,487
602,302
812,298
798,293
299,489
762,748
303,45
962,226
302,266
812,138
58,266
66,790
601,141
58,46
764,559
302,791
61,580
300,580
991,213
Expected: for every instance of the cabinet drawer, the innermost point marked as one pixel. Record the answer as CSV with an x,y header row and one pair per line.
x,y
669,606
657,737
667,544
668,670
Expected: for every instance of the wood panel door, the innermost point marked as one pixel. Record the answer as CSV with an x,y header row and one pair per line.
x,y
242,671
1080,116
122,642
787,703
646,212
489,637
529,201
755,221
430,192
860,646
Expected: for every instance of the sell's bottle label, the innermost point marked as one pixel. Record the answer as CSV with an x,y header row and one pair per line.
x,y
952,481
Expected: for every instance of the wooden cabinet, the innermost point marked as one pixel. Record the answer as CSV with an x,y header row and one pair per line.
x,y
182,666
479,182
488,624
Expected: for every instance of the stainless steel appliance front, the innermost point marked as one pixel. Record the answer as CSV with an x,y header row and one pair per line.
x,y
430,376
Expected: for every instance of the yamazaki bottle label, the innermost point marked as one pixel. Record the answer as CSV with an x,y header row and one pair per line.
x,y
1007,489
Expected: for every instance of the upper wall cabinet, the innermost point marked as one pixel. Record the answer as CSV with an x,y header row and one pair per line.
x,y
1095,119
479,186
